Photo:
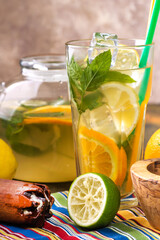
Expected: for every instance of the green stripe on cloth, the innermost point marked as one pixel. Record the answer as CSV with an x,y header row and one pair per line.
x,y
129,231
60,199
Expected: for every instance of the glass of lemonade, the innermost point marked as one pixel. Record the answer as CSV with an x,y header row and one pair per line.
x,y
109,93
35,120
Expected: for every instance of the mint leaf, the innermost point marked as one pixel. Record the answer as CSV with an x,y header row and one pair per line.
x,y
118,77
75,94
26,149
86,78
91,101
49,114
17,118
100,67
101,63
108,77
14,125
75,73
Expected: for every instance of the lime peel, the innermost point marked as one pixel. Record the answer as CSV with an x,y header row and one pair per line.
x,y
93,200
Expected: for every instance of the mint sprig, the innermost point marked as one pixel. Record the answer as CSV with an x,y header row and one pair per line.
x,y
91,101
83,81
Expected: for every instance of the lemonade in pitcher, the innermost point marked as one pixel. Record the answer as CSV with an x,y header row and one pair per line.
x,y
35,120
41,140
108,105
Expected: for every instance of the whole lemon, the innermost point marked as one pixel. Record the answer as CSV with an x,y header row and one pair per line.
x,y
153,146
8,163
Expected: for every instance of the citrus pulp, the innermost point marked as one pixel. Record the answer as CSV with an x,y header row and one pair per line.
x,y
93,200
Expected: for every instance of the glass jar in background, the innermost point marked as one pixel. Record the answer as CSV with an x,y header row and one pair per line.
x,y
35,120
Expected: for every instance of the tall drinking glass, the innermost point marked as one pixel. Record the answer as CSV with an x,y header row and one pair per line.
x,y
109,92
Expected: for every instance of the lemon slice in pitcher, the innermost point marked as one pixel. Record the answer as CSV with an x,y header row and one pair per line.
x,y
93,200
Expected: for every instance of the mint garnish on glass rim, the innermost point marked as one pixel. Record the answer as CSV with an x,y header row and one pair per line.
x,y
84,81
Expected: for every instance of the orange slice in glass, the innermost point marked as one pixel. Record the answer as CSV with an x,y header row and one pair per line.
x,y
100,154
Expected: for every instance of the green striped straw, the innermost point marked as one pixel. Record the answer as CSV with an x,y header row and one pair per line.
x,y
145,52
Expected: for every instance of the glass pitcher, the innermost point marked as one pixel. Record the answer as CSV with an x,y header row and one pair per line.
x,y
35,120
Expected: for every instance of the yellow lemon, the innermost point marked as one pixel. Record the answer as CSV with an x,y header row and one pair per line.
x,y
153,146
8,163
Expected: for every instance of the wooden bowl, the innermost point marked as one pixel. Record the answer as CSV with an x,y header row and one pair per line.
x,y
145,176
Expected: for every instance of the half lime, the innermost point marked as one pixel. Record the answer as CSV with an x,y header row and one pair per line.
x,y
93,200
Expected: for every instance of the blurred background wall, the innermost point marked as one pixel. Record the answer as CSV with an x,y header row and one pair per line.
x,y
35,27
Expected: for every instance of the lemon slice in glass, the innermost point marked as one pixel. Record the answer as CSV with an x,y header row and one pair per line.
x,y
119,114
127,62
126,58
93,200
124,107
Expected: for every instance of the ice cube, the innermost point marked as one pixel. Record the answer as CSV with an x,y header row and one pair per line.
x,y
104,39
99,42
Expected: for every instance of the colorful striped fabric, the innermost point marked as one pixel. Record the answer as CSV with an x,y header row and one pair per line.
x,y
128,224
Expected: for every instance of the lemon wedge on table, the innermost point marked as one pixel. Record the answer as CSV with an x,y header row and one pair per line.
x,y
93,200
100,154
8,163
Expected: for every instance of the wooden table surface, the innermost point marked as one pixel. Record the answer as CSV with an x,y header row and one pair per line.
x,y
152,124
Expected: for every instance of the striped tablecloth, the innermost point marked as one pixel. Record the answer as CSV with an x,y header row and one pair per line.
x,y
128,224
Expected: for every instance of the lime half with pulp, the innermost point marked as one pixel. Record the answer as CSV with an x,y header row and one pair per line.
x,y
93,200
